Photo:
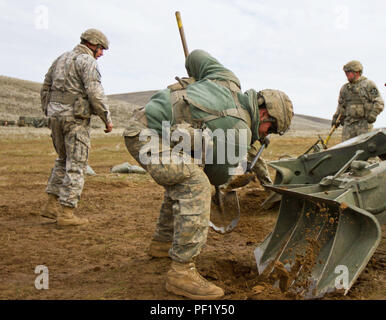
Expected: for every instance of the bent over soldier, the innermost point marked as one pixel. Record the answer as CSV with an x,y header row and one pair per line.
x,y
71,93
208,101
359,103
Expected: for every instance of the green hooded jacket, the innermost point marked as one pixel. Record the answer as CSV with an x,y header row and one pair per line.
x,y
206,98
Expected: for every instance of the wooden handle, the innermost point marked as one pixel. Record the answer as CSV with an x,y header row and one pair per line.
x,y
332,129
182,34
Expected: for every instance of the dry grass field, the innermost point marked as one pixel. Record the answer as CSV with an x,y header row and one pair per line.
x,y
107,258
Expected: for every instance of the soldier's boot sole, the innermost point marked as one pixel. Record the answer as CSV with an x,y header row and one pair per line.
x,y
183,279
64,222
67,218
181,292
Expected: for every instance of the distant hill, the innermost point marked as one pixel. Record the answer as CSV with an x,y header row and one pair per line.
x,y
22,98
139,98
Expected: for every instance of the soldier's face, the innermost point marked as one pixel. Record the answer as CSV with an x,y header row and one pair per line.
x,y
99,53
264,126
351,76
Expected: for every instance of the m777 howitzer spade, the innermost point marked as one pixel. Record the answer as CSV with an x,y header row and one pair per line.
x,y
334,224
311,168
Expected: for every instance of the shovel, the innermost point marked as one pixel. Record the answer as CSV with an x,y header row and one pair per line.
x,y
225,207
225,211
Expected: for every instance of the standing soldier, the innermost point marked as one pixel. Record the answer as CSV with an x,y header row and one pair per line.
x,y
71,93
210,99
359,103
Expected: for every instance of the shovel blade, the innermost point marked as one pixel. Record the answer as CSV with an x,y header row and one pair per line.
x,y
225,211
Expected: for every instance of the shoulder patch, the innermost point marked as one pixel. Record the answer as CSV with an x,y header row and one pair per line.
x,y
374,91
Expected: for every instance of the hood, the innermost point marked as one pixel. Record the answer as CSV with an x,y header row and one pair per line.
x,y
253,108
201,65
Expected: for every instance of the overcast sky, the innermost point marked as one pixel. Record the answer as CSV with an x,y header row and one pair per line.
x,y
297,46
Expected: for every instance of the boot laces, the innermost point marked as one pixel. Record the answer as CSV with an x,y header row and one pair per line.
x,y
198,277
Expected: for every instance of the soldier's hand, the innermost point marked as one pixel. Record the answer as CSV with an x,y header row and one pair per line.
x,y
265,141
371,118
109,127
336,123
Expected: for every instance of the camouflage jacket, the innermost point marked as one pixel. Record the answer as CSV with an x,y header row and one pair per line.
x,y
359,100
74,73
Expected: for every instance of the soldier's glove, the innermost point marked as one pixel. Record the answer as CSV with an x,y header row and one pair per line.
x,y
265,141
337,123
371,117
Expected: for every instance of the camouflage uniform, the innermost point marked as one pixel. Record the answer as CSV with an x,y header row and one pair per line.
x,y
71,92
185,212
359,103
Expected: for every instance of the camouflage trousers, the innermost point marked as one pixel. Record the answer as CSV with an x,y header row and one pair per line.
x,y
71,139
351,130
185,211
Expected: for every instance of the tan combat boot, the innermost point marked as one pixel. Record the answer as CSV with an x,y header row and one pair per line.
x,y
50,209
66,217
159,249
183,279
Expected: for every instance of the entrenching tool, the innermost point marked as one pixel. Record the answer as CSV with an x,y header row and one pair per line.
x,y
326,232
311,168
182,33
242,180
325,142
316,147
225,211
225,208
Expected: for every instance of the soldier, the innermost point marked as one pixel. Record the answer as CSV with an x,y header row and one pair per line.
x,y
359,103
71,93
210,99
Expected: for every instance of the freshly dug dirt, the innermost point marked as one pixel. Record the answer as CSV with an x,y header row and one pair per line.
x,y
107,258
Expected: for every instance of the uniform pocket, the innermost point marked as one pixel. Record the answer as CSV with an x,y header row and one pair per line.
x,y
187,207
133,129
81,147
356,111
168,174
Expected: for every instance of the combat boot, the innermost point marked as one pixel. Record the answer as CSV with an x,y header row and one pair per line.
x,y
183,279
159,249
50,209
67,217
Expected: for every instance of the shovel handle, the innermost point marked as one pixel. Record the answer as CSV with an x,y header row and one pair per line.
x,y
256,157
332,130
182,33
